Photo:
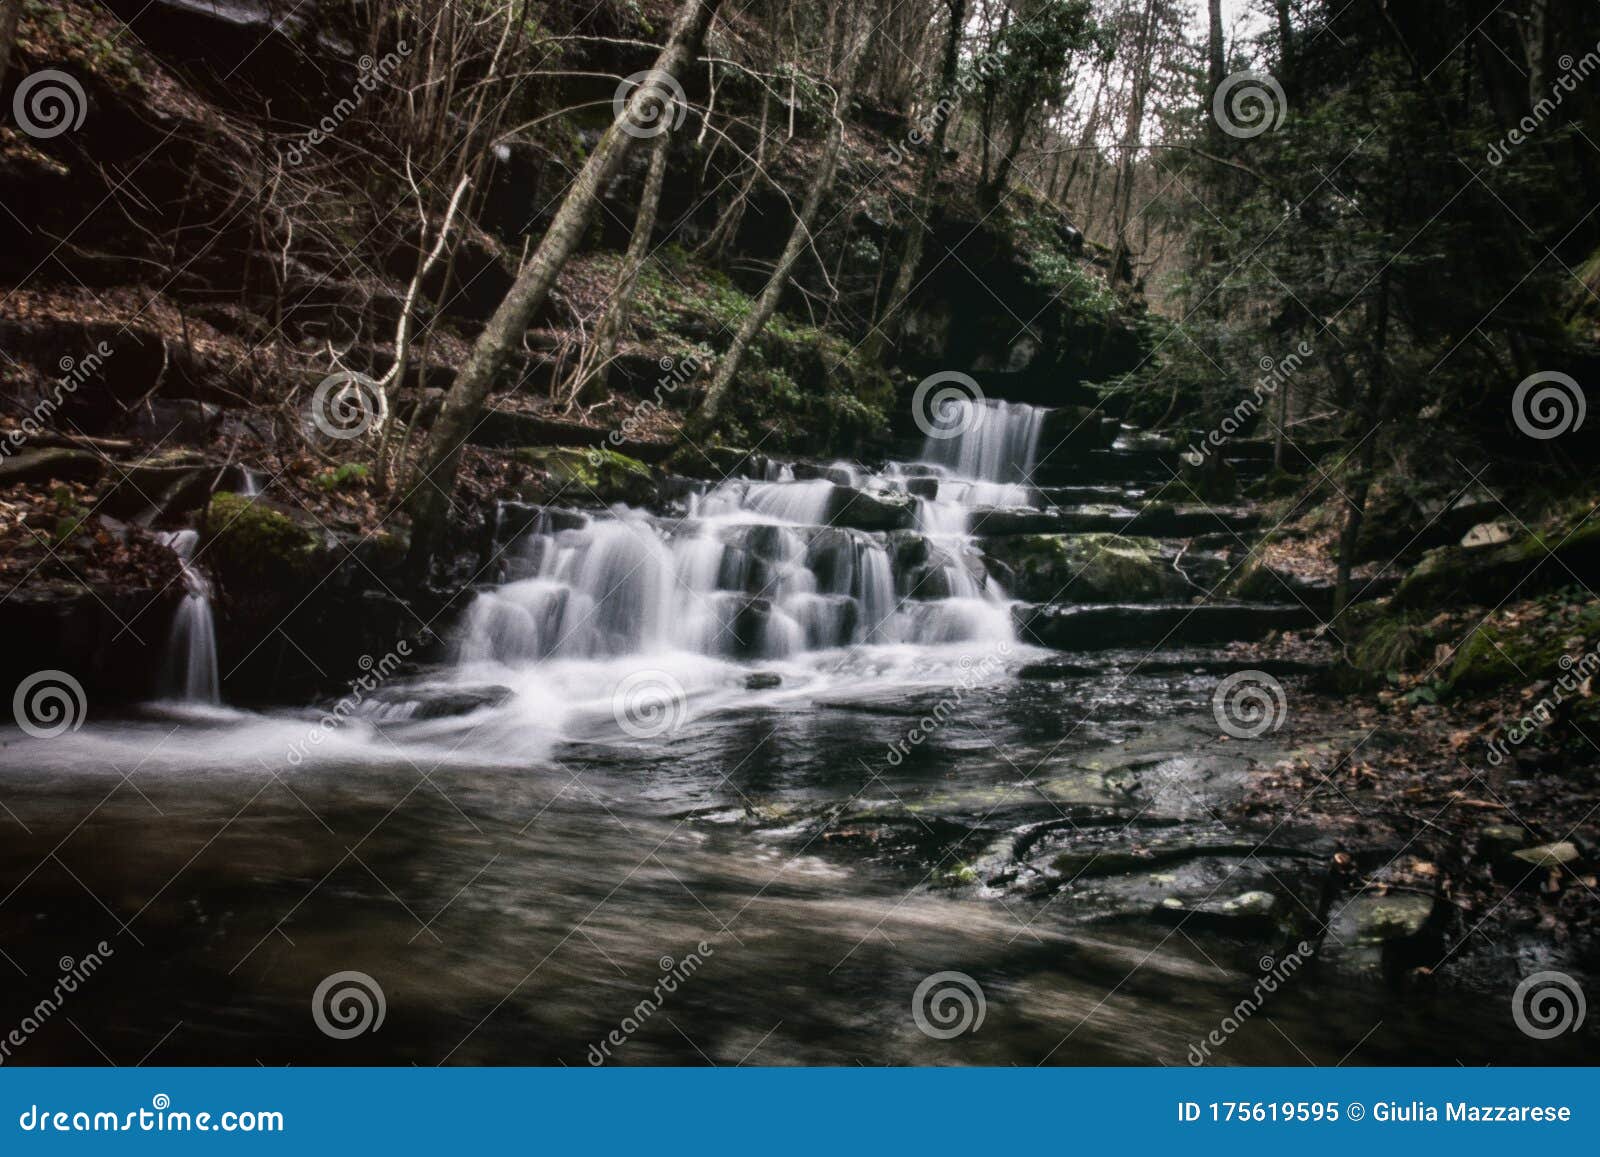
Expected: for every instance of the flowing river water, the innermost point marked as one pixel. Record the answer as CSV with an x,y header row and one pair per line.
x,y
739,781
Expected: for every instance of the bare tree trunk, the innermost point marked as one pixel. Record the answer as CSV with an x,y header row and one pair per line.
x,y
799,237
505,330
594,368
1143,50
887,330
1216,69
10,13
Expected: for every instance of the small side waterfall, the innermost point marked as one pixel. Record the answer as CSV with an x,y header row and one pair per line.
x,y
189,671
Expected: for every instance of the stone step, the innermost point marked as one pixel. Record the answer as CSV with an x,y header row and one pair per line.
x,y
1098,628
1162,663
1068,466
1157,520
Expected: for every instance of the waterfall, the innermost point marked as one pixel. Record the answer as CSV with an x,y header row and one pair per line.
x,y
189,671
997,443
752,570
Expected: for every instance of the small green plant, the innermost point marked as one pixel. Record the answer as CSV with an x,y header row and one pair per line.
x,y
350,476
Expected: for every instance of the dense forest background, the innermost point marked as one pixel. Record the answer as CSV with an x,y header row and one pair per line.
x,y
1361,231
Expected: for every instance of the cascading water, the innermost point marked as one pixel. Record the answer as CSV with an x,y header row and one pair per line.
x,y
779,570
189,671
981,455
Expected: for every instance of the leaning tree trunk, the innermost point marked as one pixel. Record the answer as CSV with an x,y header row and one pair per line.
x,y
10,13
887,331
595,367
504,332
799,237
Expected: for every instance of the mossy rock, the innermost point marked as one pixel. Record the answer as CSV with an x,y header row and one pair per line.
x,y
49,465
1452,575
250,543
1084,568
575,475
1490,659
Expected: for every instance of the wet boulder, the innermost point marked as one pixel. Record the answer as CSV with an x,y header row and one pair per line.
x,y
867,510
1084,568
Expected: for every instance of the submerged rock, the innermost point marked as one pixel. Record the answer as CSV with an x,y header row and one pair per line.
x,y
763,681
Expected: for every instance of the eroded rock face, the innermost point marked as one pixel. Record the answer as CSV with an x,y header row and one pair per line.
x,y
1084,568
